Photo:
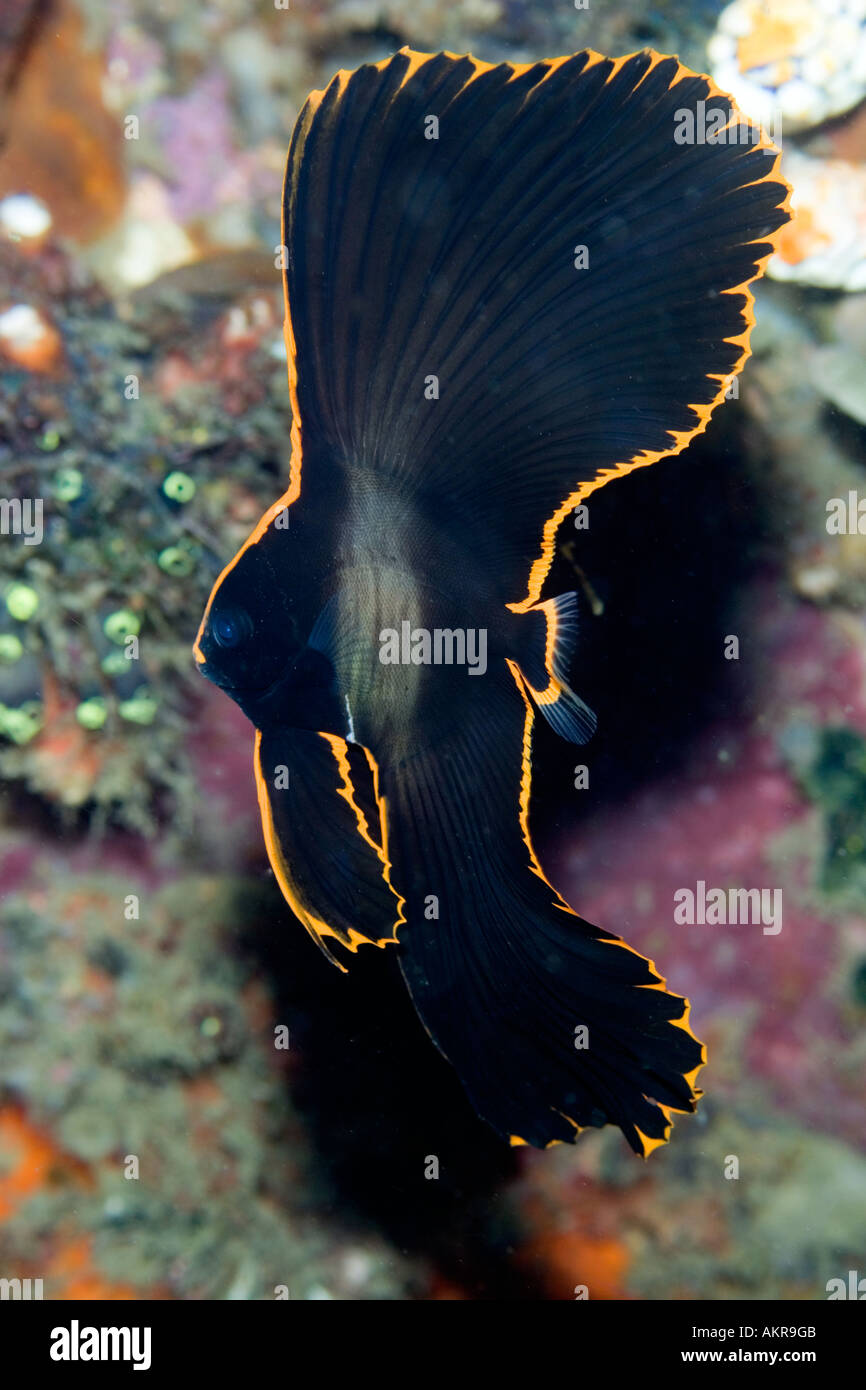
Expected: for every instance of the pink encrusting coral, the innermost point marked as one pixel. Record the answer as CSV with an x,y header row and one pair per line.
x,y
775,1005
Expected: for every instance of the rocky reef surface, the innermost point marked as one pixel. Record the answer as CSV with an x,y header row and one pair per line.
x,y
192,1104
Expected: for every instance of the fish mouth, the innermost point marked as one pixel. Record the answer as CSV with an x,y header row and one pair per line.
x,y
248,698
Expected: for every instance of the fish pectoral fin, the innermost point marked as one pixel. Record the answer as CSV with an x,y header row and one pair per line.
x,y
547,649
325,827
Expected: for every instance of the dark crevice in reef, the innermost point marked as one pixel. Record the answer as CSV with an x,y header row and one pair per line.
x,y
670,550
379,1101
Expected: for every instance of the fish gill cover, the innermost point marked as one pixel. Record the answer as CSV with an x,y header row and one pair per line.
x,y
506,285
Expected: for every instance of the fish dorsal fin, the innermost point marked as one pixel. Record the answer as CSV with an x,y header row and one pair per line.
x,y
508,284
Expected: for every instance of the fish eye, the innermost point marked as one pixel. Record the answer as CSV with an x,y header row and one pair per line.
x,y
231,626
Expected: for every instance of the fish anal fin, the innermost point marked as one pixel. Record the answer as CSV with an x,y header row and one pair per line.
x,y
553,1024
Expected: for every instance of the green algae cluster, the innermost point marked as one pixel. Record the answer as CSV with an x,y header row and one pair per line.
x,y
146,493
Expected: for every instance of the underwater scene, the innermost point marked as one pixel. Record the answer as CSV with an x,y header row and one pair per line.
x,y
432,650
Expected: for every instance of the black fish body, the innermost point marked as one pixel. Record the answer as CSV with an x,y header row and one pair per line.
x,y
505,286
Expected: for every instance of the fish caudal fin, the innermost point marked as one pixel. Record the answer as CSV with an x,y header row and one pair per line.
x,y
552,1024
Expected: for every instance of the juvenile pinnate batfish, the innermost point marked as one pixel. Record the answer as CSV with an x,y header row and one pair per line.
x,y
506,286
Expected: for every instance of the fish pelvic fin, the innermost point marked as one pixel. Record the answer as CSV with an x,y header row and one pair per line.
x,y
550,639
326,831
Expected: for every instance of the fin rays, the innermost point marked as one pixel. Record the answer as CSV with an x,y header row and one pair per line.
x,y
506,970
326,834
453,258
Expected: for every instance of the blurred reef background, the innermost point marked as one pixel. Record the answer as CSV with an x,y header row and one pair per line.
x,y
155,1141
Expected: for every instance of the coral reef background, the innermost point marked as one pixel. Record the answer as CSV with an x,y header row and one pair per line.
x,y
193,1104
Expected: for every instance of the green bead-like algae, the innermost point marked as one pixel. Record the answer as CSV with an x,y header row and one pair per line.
x,y
68,485
141,709
114,664
21,725
176,561
179,487
92,714
22,602
120,624
11,648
